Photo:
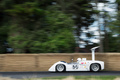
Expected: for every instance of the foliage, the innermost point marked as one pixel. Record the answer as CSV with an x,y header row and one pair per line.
x,y
114,26
4,29
36,30
57,36
42,26
112,43
84,77
81,11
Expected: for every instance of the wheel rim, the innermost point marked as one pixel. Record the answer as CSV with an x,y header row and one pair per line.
x,y
60,67
95,67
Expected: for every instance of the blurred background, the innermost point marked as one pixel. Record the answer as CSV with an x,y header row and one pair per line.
x,y
59,26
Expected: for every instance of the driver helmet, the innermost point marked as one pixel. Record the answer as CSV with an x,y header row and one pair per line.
x,y
78,59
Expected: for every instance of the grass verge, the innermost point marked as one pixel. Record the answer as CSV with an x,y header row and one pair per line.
x,y
83,78
78,78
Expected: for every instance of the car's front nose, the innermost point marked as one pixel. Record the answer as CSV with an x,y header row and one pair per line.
x,y
102,65
52,68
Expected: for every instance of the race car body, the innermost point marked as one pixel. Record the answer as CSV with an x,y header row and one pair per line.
x,y
80,65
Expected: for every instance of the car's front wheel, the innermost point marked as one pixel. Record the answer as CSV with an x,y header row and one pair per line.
x,y
60,68
95,67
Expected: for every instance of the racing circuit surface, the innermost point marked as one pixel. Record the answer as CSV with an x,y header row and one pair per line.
x,y
20,75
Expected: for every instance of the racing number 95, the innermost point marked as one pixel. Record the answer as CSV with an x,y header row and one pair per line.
x,y
75,66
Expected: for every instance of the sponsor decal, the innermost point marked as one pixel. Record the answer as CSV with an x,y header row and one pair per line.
x,y
82,62
84,66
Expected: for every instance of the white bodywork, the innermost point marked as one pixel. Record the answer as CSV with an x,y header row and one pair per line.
x,y
80,65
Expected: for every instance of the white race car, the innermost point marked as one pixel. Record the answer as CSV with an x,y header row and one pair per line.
x,y
80,65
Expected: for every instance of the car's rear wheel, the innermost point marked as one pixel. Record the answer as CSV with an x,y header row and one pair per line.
x,y
60,68
95,67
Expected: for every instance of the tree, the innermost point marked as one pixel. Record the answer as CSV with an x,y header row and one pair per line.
x,y
33,29
115,30
24,17
82,13
113,36
37,23
113,43
4,29
58,36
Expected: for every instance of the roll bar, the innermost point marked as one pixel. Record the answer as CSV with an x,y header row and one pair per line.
x,y
93,52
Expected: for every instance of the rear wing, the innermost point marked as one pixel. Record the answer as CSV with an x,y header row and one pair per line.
x,y
93,52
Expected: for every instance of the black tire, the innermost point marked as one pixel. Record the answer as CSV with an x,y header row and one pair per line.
x,y
95,67
60,68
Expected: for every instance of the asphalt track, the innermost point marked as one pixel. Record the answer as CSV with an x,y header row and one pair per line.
x,y
20,75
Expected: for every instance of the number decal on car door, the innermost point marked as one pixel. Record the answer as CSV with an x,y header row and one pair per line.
x,y
75,66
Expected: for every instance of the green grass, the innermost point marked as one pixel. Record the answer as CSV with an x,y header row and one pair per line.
x,y
79,78
59,77
46,78
96,77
